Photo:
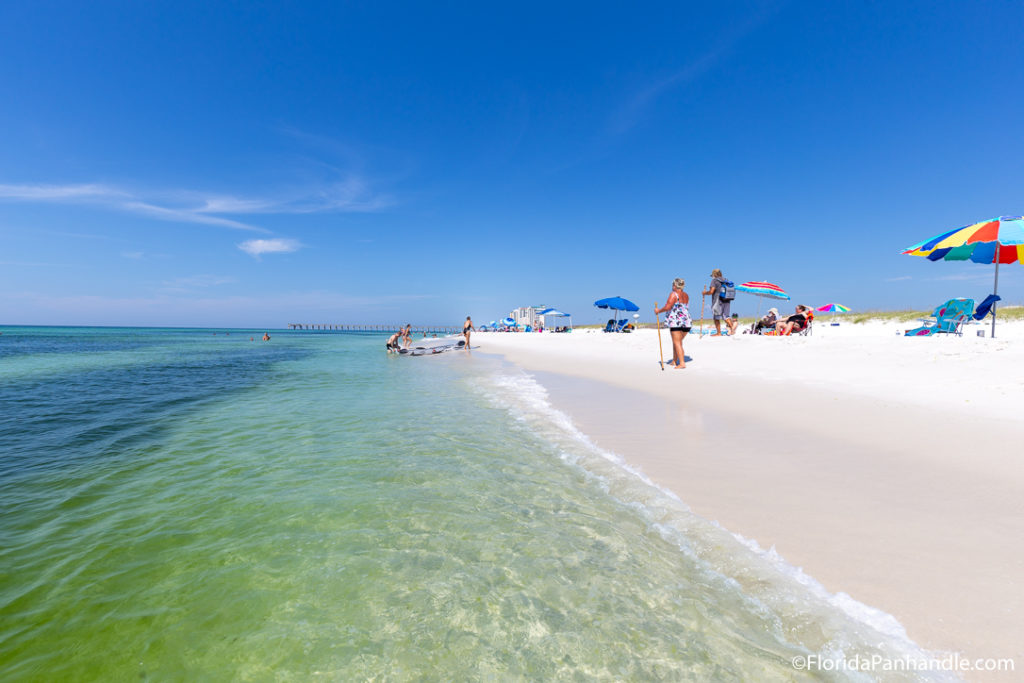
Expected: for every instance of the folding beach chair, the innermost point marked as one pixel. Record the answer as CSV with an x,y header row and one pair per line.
x,y
616,325
808,329
949,318
985,307
802,332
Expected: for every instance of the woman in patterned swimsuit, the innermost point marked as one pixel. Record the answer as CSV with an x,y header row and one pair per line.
x,y
678,320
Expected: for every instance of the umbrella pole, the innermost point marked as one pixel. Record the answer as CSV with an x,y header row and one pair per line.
x,y
995,290
657,322
701,336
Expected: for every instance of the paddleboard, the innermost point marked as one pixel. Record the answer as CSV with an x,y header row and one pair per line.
x,y
432,350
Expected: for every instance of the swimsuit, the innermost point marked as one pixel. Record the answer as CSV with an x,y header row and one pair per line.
x,y
678,317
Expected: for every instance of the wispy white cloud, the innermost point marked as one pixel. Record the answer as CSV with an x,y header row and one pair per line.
x,y
351,194
233,205
900,278
57,192
635,107
269,246
119,199
185,215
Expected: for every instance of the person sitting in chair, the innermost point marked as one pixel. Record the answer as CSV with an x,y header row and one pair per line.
x,y
796,322
768,322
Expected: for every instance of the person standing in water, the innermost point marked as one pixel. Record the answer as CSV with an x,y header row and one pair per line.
x,y
467,327
678,320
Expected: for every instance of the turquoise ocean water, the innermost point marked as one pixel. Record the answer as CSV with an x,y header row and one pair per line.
x,y
180,505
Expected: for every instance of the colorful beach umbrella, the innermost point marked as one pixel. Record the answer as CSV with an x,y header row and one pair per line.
x,y
833,309
767,290
997,240
763,290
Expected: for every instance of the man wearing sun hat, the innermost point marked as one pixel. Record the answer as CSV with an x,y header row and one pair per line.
x,y
720,309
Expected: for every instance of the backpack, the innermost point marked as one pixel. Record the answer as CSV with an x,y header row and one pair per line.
x,y
727,290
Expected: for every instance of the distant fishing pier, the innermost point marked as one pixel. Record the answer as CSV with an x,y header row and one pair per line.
x,y
417,329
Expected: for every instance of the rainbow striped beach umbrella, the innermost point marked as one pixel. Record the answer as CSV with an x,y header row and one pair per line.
x,y
833,309
997,240
763,289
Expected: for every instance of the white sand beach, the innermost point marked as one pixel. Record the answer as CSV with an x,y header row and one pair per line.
x,y
887,468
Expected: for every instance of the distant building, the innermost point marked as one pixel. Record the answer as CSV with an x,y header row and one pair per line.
x,y
527,315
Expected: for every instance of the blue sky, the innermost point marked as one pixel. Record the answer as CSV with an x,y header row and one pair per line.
x,y
255,164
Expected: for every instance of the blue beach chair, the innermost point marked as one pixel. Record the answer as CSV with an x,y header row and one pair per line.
x,y
949,318
985,307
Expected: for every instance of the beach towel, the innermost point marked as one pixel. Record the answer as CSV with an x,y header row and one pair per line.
x,y
985,307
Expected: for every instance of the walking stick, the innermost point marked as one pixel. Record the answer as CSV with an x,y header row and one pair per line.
x,y
701,315
657,321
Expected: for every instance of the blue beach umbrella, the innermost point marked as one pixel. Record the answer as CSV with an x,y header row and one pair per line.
x,y
617,303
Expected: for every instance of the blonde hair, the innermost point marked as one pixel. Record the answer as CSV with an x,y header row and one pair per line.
x,y
678,283
716,273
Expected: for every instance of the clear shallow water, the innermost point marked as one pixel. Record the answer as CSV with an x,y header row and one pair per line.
x,y
175,504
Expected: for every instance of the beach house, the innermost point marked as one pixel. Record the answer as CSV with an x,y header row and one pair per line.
x,y
528,315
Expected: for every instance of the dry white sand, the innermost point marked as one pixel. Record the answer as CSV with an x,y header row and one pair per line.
x,y
888,468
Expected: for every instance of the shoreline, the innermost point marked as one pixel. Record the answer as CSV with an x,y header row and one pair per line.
x,y
880,497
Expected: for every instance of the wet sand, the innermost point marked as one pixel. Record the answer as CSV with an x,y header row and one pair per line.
x,y
906,507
